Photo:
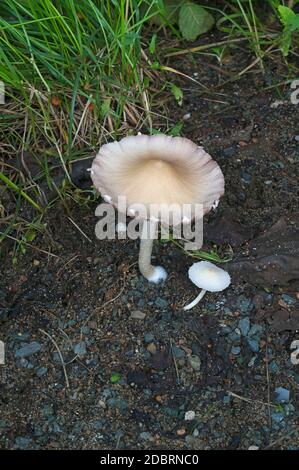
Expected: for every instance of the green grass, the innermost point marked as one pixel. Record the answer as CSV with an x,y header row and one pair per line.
x,y
70,68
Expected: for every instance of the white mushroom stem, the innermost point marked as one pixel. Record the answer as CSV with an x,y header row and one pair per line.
x,y
151,273
196,300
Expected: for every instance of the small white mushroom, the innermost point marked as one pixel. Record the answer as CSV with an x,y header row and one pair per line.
x,y
208,277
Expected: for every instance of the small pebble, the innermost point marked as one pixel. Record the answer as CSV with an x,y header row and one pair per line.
x,y
229,151
146,436
138,315
22,442
189,415
253,344
178,352
148,337
195,362
152,348
41,371
288,299
283,394
28,350
273,367
161,303
244,326
80,348
235,350
226,399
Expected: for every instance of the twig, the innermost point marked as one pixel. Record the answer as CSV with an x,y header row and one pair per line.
x,y
175,364
248,400
215,44
33,247
66,264
60,356
80,230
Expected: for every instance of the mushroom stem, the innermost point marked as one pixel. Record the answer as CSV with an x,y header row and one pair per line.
x,y
152,273
196,300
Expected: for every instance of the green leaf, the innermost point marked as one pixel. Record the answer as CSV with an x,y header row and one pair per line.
x,y
30,236
152,46
170,12
291,24
286,14
294,23
177,93
115,377
105,107
176,130
194,20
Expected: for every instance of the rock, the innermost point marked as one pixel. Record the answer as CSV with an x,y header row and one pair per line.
x,y
80,349
273,256
244,304
152,348
195,362
244,326
253,344
85,330
226,230
189,415
138,315
146,436
28,350
229,151
235,350
148,337
178,352
256,330
283,395
22,443
118,403
288,299
161,303
234,336
172,412
281,319
41,371
226,399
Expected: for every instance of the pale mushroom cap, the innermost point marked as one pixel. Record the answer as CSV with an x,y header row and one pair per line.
x,y
209,277
158,170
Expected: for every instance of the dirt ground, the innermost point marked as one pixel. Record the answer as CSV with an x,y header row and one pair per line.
x,y
163,378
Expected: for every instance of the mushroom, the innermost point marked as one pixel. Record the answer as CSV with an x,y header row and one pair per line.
x,y
208,277
155,171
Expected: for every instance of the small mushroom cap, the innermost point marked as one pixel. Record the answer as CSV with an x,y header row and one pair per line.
x,y
155,170
209,277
